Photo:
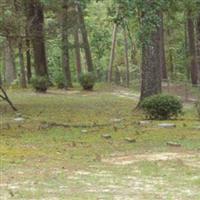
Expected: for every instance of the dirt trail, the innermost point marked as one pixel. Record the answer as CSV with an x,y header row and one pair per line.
x,y
190,159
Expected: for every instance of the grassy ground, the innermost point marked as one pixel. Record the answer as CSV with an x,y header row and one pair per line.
x,y
41,159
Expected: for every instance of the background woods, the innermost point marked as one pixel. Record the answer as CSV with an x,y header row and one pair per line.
x,y
129,43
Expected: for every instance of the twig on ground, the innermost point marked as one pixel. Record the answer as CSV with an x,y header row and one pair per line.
x,y
5,97
54,124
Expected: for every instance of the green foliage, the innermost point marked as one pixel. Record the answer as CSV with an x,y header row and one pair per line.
x,y
87,80
40,83
139,17
59,81
149,17
161,106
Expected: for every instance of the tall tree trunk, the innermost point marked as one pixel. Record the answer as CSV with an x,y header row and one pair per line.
x,y
162,49
171,63
21,62
192,49
85,38
117,76
126,58
28,58
36,31
10,70
198,44
188,70
1,81
112,53
170,57
65,45
77,51
1,70
151,70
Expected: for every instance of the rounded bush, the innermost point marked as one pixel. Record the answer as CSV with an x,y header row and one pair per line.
x,y
87,80
59,81
161,106
40,83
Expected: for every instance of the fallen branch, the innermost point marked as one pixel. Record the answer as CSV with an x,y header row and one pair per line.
x,y
5,97
54,124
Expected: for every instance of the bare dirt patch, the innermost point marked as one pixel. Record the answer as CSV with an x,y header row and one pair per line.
x,y
187,158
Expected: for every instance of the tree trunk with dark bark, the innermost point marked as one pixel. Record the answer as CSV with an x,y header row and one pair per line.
x,y
171,63
86,45
151,70
192,49
65,45
77,51
162,49
198,44
28,58
117,76
21,62
36,31
10,69
188,70
1,80
112,53
126,58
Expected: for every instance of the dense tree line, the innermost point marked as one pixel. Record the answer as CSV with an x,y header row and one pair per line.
x,y
114,39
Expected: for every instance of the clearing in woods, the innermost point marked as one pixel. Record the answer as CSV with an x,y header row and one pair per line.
x,y
78,145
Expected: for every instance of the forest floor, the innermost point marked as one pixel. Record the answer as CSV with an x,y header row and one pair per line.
x,y
79,145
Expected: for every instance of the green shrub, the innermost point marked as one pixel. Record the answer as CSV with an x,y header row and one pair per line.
x,y
59,81
40,83
87,80
161,106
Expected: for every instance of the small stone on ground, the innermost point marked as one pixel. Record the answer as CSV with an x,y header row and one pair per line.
x,y
106,136
166,125
131,140
19,119
173,144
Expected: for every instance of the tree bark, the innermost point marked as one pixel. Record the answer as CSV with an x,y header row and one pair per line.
x,y
171,63
1,82
198,44
85,38
65,45
117,76
1,69
151,70
77,51
21,62
36,31
28,58
188,70
162,49
112,53
126,58
10,69
192,49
